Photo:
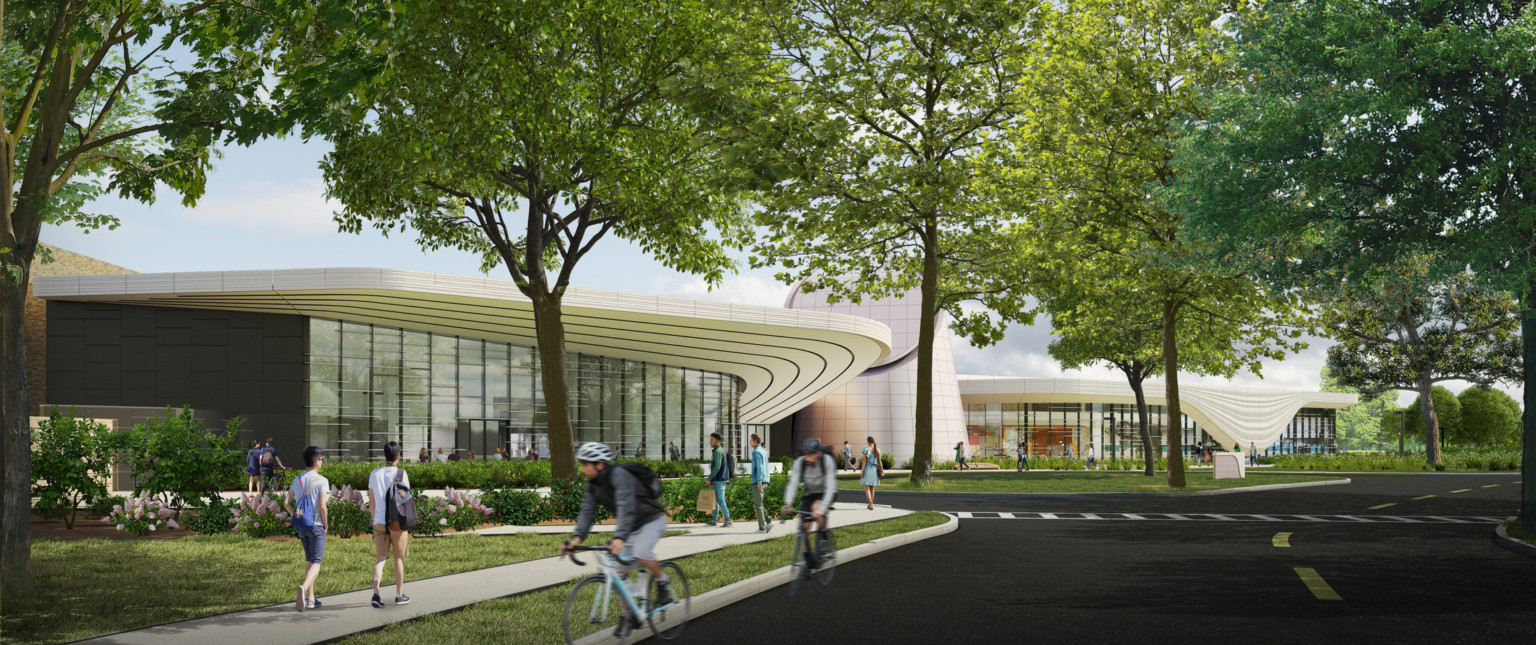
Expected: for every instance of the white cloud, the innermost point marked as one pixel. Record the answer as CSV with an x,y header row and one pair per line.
x,y
289,209
746,289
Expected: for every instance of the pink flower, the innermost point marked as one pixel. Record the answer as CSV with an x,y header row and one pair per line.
x,y
165,512
107,519
443,521
233,520
117,508
237,511
151,527
119,527
172,524
452,508
256,525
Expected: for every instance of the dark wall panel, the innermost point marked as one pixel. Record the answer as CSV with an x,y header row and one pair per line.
x,y
221,363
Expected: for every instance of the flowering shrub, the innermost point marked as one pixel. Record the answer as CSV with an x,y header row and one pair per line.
x,y
431,518
347,515
260,516
463,511
142,515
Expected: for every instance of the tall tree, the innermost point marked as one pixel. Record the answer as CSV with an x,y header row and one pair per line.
x,y
1447,416
1400,333
861,151
90,103
1362,130
558,115
1120,77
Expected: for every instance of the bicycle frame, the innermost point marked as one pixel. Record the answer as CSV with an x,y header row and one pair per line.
x,y
612,582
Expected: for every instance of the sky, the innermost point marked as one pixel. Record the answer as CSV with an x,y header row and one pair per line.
x,y
265,208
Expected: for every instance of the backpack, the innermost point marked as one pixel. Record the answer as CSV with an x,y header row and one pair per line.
x,y
304,507
650,483
400,505
826,451
730,466
267,460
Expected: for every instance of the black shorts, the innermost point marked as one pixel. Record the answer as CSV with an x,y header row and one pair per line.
x,y
806,501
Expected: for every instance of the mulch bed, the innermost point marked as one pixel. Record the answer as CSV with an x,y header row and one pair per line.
x,y
87,528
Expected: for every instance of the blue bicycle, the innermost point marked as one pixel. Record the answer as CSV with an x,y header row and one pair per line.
x,y
632,607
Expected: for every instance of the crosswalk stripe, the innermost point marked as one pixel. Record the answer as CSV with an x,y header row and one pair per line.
x,y
1355,518
1090,516
1223,518
1006,516
963,515
1047,516
1133,516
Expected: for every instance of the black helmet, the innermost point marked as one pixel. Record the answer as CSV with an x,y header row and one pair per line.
x,y
810,445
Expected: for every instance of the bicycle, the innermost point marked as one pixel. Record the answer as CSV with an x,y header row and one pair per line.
x,y
600,589
827,550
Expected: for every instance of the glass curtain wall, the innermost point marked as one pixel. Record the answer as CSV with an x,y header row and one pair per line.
x,y
368,384
1058,429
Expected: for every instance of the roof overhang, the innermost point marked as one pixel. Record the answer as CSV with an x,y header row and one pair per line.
x,y
1230,414
785,359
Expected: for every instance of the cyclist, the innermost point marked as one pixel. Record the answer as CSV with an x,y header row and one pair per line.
x,y
639,520
818,470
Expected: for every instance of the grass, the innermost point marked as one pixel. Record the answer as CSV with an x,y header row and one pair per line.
x,y
1075,482
536,617
1512,529
86,588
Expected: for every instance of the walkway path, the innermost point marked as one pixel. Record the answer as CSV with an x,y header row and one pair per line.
x,y
350,613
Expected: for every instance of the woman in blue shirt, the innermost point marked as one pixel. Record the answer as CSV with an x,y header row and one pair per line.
x,y
759,479
872,471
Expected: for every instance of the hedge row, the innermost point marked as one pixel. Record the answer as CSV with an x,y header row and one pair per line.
x,y
1493,459
482,474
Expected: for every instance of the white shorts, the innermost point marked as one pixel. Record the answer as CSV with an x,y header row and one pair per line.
x,y
642,542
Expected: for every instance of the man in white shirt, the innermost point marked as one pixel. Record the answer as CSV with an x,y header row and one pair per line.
x,y
388,541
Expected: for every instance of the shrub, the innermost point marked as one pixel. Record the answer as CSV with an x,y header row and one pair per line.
x,y
177,457
680,497
213,518
671,469
103,505
454,474
346,514
70,460
260,516
517,507
464,511
142,515
565,499
430,519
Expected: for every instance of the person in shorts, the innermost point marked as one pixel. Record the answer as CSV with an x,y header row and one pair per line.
x,y
317,488
816,469
639,520
388,542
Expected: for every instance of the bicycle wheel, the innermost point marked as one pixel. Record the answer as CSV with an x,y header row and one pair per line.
x,y
828,561
592,608
796,561
674,617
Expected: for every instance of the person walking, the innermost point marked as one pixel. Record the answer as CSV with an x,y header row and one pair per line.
x,y
719,476
389,542
1023,456
1253,454
253,467
676,454
873,469
1092,461
269,463
848,457
759,480
960,456
314,489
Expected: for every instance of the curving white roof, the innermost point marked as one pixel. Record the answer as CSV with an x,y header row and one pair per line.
x,y
785,358
1229,414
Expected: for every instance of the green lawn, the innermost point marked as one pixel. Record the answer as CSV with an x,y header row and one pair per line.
x,y
90,587
536,617
1076,482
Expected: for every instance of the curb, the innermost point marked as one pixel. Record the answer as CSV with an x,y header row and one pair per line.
x,y
738,591
1226,491
1501,538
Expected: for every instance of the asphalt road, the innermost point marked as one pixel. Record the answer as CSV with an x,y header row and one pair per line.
x,y
1161,581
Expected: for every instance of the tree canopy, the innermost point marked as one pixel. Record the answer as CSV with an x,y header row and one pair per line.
x,y
1489,417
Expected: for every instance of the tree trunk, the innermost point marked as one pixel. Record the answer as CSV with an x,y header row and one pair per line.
x,y
1175,424
557,395
922,448
16,445
1148,448
1431,422
1528,419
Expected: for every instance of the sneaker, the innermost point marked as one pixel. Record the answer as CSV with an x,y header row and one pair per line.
x,y
314,604
805,573
377,602
812,561
711,523
299,604
402,600
728,523
663,595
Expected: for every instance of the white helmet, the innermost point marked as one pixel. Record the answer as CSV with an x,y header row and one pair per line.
x,y
593,451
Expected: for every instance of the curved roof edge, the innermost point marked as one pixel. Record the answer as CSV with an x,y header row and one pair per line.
x,y
786,358
1229,414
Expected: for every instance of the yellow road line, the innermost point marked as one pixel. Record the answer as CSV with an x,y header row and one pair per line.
x,y
1491,485
1282,540
1461,491
1316,584
1377,508
1424,497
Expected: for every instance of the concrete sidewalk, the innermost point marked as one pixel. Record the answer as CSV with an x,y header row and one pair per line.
x,y
350,613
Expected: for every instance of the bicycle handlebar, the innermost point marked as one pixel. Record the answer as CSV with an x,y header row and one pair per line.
x,y
616,558
783,518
